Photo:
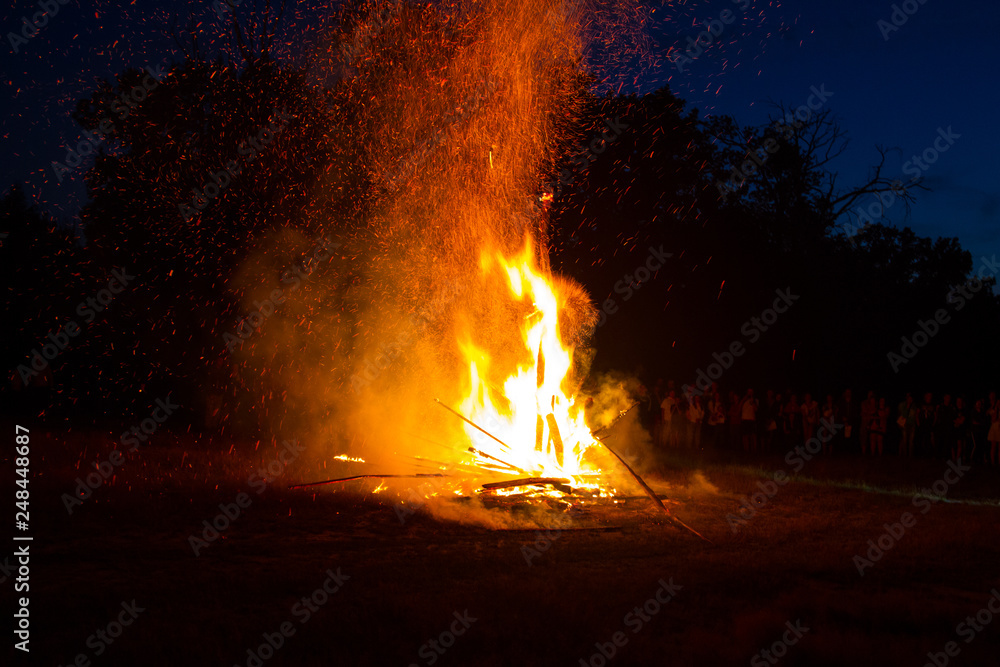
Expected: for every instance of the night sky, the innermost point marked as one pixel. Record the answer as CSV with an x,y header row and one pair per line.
x,y
936,71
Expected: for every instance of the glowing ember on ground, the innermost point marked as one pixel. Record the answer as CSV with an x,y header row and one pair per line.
x,y
345,457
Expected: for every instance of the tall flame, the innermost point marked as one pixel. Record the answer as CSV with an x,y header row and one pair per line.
x,y
463,110
543,429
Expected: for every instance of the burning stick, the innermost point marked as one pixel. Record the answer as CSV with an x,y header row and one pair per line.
x,y
653,496
558,482
471,449
472,424
493,458
617,419
481,430
555,437
539,382
348,479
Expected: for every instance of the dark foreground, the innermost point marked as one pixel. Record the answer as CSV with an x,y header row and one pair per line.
x,y
401,584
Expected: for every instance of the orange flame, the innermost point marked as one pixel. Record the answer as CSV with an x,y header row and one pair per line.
x,y
543,429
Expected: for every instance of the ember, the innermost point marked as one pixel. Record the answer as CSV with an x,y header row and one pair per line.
x,y
456,299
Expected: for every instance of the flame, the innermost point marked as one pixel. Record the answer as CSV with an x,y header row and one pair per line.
x,y
543,429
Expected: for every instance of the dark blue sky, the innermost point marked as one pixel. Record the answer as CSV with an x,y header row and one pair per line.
x,y
937,71
82,44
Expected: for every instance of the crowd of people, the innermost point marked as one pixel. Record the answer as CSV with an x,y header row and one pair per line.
x,y
959,428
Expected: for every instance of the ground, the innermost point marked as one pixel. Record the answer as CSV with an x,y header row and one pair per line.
x,y
513,597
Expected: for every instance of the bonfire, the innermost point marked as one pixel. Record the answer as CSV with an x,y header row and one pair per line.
x,y
462,115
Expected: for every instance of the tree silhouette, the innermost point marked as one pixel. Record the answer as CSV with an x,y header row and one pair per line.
x,y
226,159
778,223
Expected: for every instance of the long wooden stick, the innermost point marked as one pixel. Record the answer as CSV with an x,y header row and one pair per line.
x,y
348,479
471,449
529,481
471,423
513,467
620,416
656,500
481,430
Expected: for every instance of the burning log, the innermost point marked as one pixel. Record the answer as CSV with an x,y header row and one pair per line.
x,y
555,437
353,477
557,482
539,382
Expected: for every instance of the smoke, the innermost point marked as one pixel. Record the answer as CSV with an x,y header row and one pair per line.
x,y
473,511
461,108
701,486
611,394
458,115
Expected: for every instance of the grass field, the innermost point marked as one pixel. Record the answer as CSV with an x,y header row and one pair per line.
x,y
473,591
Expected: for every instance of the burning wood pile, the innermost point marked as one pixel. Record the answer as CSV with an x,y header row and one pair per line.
x,y
529,430
532,486
464,175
